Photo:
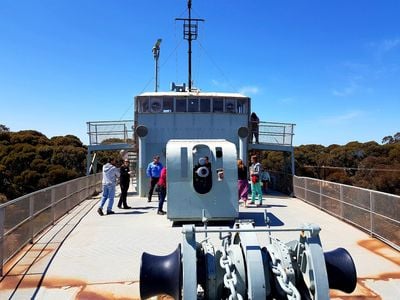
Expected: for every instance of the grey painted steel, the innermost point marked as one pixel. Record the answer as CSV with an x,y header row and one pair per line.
x,y
184,202
257,287
164,125
211,267
142,167
315,274
248,264
189,263
242,147
235,251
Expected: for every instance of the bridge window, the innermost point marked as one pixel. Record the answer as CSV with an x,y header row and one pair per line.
x,y
181,105
193,105
218,105
168,105
155,105
144,105
205,105
241,106
230,106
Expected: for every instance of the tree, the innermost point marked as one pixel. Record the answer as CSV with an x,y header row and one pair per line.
x,y
29,161
4,128
388,140
31,137
391,139
68,140
397,137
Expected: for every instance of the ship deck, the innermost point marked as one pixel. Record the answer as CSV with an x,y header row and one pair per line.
x,y
87,256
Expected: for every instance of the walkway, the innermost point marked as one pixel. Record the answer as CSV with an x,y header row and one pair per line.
x,y
86,256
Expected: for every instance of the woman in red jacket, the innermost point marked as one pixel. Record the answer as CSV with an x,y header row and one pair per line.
x,y
162,191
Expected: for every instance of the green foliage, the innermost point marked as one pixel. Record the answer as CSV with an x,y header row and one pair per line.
x,y
391,139
4,138
59,174
68,140
29,161
31,137
368,165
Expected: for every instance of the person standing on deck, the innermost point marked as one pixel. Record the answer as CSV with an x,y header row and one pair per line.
x,y
162,191
254,127
124,184
255,170
110,175
153,171
243,184
265,179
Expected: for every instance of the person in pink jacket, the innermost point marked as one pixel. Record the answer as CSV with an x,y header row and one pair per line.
x,y
162,190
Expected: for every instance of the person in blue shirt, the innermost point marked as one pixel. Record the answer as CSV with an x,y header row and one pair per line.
x,y
153,171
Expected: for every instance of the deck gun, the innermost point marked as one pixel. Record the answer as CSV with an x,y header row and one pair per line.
x,y
242,268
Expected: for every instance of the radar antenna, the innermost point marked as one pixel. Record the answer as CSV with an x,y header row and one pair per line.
x,y
190,28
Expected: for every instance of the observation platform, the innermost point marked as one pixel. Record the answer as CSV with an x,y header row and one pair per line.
x,y
87,256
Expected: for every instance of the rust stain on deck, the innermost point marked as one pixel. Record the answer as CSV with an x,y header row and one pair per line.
x,y
381,249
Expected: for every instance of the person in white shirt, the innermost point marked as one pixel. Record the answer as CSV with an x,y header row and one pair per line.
x,y
255,170
110,175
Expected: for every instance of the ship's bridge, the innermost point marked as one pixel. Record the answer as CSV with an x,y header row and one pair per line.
x,y
162,116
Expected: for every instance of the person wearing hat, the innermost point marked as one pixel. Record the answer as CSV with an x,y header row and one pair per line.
x,y
124,184
153,171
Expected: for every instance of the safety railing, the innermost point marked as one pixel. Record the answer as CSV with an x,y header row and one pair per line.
x,y
22,219
99,131
276,133
374,212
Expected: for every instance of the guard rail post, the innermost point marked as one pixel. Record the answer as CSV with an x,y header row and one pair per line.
x,y
1,239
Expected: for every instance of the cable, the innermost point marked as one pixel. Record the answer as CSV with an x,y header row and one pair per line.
x,y
219,69
151,79
357,169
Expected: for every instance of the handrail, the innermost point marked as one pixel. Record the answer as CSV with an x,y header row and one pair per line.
x,y
22,219
99,131
276,133
372,211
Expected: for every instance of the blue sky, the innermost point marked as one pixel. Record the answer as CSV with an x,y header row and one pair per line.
x,y
332,67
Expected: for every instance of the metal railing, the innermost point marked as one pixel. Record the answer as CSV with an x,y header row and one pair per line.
x,y
276,133
374,212
99,131
22,219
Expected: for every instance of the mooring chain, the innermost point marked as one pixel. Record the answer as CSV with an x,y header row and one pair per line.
x,y
287,286
230,278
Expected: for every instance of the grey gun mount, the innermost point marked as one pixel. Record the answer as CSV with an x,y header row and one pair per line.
x,y
241,269
202,175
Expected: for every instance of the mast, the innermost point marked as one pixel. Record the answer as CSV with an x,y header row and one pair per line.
x,y
156,54
190,29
